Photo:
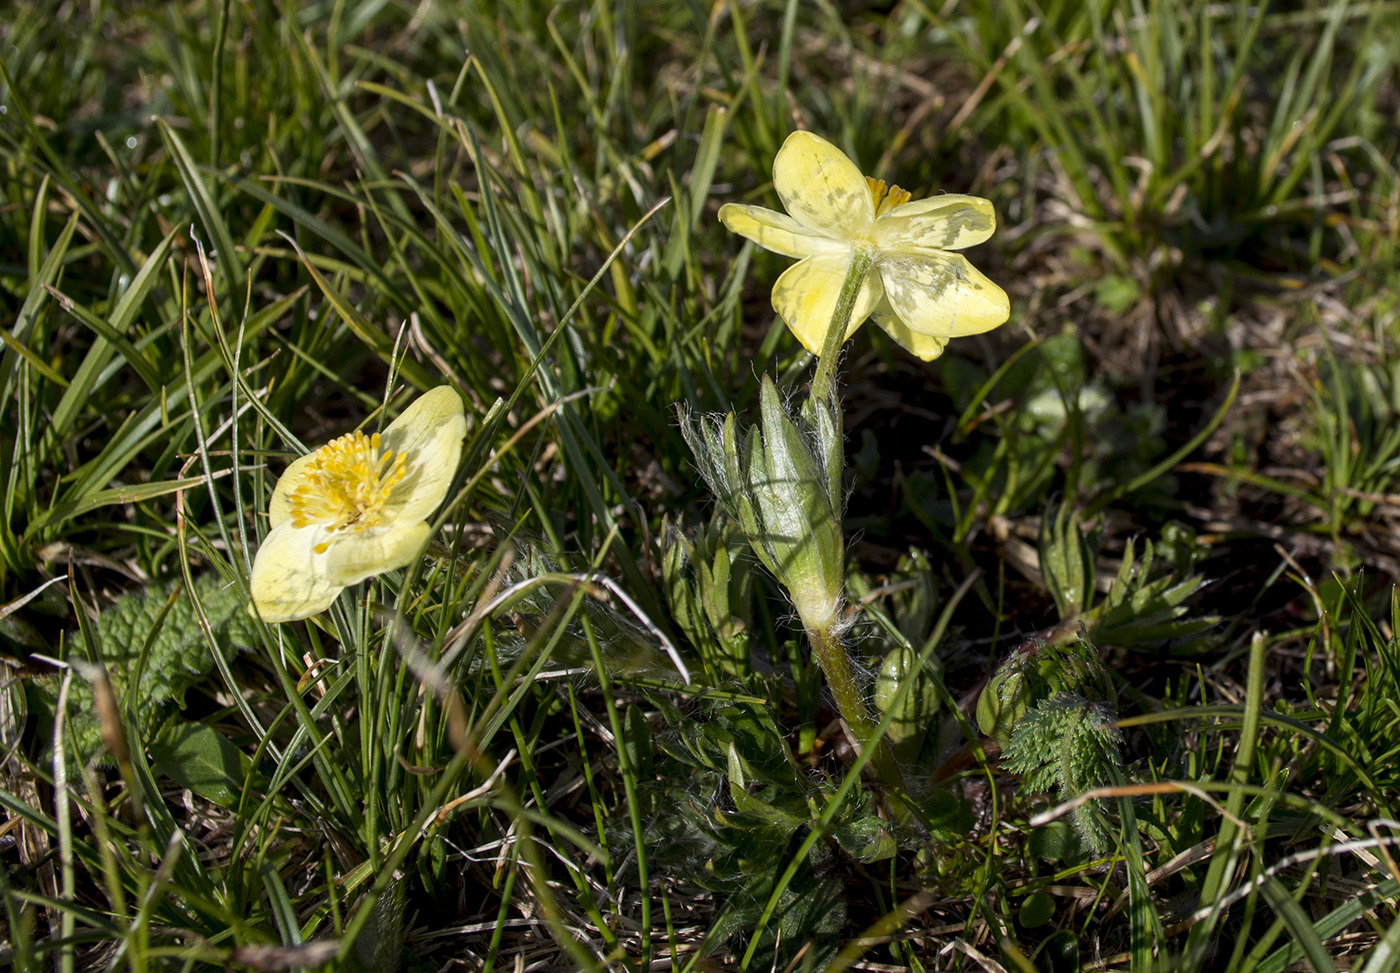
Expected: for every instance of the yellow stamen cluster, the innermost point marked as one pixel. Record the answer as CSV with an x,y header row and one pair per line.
x,y
346,484
886,198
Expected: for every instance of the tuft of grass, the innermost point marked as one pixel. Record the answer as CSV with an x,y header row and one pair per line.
x,y
1185,132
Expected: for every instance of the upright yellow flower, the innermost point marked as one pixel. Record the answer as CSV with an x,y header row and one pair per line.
x,y
917,291
356,507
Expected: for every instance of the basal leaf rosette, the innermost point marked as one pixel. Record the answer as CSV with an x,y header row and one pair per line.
x,y
356,507
919,291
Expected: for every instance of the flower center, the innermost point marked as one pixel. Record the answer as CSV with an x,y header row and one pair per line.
x,y
886,197
346,484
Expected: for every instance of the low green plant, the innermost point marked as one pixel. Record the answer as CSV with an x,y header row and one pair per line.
x,y
1064,741
1145,603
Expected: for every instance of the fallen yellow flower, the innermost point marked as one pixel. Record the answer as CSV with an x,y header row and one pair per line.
x,y
917,291
356,507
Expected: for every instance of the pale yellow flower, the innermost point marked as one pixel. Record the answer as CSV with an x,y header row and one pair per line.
x,y
356,507
917,290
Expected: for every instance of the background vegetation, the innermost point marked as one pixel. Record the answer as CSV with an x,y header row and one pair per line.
x,y
231,230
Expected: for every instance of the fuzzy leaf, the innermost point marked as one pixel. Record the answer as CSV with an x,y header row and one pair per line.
x,y
799,525
1070,745
178,656
821,425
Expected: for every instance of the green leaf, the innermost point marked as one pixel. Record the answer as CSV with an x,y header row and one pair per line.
x,y
200,758
915,711
821,424
1334,922
1057,841
153,648
136,493
1299,926
1037,909
1072,745
799,526
1059,953
809,917
946,813
866,838
1116,293
207,208
1066,561
38,295
637,742
756,741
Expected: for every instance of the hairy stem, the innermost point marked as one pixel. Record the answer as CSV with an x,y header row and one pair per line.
x,y
821,625
836,667
823,380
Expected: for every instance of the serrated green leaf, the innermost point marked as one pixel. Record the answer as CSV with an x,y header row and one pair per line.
x,y
1069,744
176,655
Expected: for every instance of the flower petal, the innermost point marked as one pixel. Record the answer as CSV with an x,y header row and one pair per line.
x,y
776,231
821,188
430,431
941,294
937,223
805,297
357,555
925,346
279,508
288,580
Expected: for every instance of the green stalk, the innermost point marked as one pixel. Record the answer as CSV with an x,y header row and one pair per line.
x,y
823,380
821,624
836,667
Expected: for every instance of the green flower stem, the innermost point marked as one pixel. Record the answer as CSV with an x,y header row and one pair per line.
x,y
836,667
861,260
821,625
